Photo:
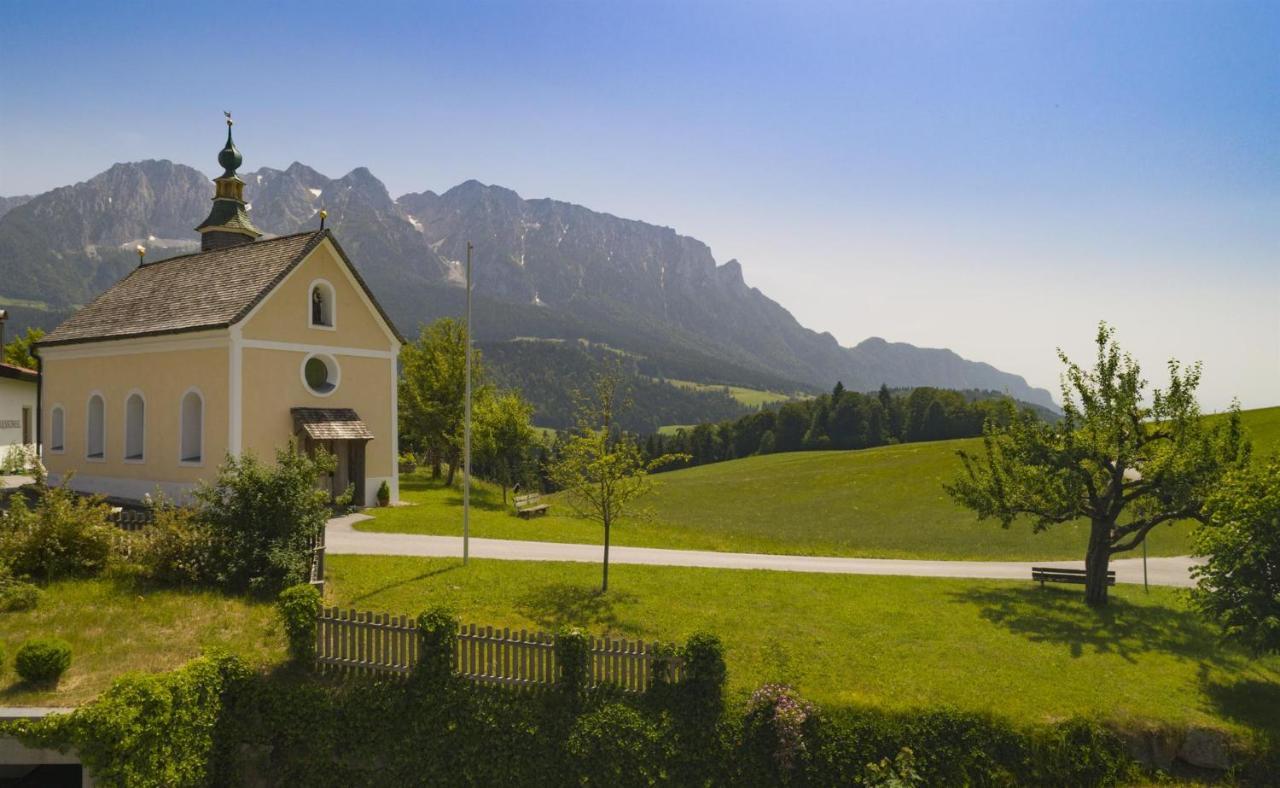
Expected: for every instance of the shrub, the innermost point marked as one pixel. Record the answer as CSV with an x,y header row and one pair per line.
x,y
65,535
175,549
573,652
437,644
41,660
261,520
298,607
1080,752
16,594
776,730
384,494
615,745
1238,586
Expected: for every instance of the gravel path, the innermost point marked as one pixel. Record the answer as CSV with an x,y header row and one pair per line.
x,y
342,539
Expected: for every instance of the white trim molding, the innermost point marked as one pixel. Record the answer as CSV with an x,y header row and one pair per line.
x,y
168,343
128,489
395,428
331,297
235,408
328,350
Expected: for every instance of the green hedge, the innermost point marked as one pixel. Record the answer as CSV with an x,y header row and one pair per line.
x,y
215,723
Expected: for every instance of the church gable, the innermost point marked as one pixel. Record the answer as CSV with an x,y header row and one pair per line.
x,y
321,301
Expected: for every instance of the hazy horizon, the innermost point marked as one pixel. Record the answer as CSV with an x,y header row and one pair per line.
x,y
994,179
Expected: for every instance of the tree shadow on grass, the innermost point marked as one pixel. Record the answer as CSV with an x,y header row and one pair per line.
x,y
406,581
1254,703
559,605
1053,615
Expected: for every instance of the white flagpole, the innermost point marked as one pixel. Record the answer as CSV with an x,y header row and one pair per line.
x,y
466,431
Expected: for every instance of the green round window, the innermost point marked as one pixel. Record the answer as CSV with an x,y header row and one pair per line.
x,y
317,375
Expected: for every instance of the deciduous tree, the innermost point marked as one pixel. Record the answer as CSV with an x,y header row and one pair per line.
x,y
602,470
433,389
1239,584
1124,465
18,352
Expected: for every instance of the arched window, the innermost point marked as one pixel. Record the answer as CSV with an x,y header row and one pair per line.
x,y
135,427
96,428
57,429
321,304
192,447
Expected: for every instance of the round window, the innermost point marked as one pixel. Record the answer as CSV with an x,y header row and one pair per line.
x,y
320,373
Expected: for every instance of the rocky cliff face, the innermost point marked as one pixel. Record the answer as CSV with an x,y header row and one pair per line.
x,y
543,266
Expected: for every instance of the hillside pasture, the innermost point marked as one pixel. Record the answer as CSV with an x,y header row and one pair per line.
x,y
752,398
885,502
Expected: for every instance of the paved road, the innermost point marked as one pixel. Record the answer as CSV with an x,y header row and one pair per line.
x,y
342,539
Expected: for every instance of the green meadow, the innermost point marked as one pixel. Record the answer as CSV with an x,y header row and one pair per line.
x,y
885,502
897,643
752,398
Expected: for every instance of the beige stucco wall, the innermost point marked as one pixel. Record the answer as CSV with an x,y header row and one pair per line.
x,y
285,316
163,376
14,396
365,385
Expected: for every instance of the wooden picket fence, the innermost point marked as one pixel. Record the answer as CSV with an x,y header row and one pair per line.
x,y
130,519
372,643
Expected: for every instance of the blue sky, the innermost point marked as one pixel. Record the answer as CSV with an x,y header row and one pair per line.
x,y
990,177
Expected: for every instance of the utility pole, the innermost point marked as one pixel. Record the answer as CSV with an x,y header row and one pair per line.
x,y
466,432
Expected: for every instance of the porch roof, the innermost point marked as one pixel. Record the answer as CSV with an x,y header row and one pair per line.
x,y
330,424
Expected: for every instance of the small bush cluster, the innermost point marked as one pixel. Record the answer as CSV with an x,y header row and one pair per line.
x,y
64,535
260,520
43,660
250,530
298,606
16,594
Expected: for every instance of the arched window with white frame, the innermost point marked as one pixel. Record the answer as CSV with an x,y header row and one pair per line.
x,y
57,429
321,305
95,439
191,448
135,427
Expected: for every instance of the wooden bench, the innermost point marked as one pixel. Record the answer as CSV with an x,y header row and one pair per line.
x,y
530,505
1051,574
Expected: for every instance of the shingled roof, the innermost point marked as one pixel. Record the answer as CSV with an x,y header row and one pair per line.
x,y
23,374
213,289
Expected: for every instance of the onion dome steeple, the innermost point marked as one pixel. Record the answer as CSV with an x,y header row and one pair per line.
x,y
228,222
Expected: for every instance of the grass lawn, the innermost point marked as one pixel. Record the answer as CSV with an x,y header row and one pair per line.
x,y
897,643
884,502
114,627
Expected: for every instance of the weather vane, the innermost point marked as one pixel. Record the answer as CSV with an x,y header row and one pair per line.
x,y
227,112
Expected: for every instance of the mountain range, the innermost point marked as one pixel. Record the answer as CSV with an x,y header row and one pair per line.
x,y
543,269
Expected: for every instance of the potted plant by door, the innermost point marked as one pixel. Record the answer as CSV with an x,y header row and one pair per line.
x,y
384,494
